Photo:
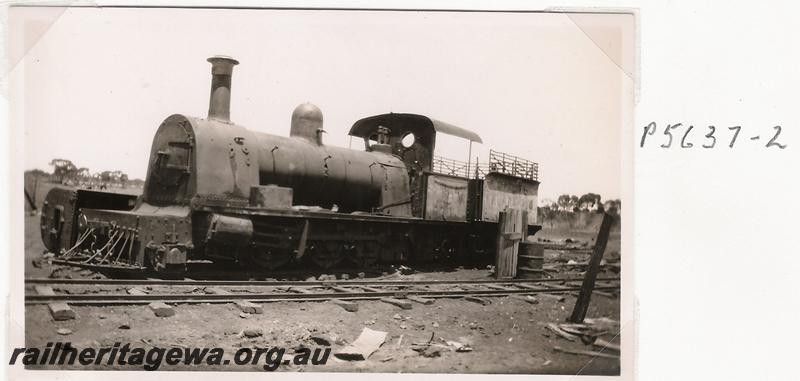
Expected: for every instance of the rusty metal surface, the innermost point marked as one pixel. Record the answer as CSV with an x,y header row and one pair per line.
x,y
271,197
445,198
502,191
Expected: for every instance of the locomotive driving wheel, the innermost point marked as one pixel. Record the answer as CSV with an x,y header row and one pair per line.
x,y
329,253
266,258
365,253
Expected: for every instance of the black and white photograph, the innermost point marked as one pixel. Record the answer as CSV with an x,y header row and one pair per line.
x,y
323,190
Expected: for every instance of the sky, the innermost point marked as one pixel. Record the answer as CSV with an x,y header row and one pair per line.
x,y
552,88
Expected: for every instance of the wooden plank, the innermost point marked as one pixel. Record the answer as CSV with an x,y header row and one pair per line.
x,y
478,300
498,287
585,353
420,300
397,302
600,343
347,305
59,310
216,291
301,290
44,290
370,289
511,229
582,304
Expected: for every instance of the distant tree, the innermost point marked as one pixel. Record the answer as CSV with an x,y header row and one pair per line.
x,y
567,202
613,207
63,169
589,201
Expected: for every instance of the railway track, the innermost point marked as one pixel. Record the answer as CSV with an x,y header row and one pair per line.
x,y
105,291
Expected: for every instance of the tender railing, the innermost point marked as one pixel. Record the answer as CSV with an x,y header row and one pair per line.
x,y
451,167
499,162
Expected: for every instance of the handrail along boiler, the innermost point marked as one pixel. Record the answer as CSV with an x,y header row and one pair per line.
x,y
216,190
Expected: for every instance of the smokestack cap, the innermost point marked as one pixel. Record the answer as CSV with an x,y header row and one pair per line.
x,y
222,65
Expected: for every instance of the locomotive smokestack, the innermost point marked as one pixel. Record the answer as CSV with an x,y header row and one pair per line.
x,y
219,105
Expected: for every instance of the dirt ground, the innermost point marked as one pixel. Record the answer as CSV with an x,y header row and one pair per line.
x,y
506,336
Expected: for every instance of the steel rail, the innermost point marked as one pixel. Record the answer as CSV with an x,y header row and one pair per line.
x,y
272,297
186,282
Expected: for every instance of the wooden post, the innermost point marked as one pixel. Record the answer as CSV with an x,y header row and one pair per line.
x,y
512,228
582,304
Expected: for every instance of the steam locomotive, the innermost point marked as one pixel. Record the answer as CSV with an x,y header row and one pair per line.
x,y
216,191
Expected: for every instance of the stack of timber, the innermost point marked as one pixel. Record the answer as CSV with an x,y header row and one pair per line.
x,y
511,230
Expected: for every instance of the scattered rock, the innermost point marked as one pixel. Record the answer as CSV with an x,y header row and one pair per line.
x,y
435,325
101,317
64,331
161,309
345,277
311,279
397,317
369,322
125,326
248,307
252,333
361,275
244,315
429,351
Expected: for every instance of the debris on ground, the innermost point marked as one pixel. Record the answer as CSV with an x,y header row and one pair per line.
x,y
405,270
459,347
585,353
603,323
555,329
602,344
365,345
